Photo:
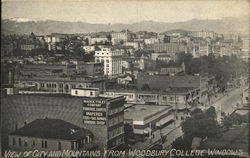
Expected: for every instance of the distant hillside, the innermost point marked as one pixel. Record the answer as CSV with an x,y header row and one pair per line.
x,y
180,31
25,26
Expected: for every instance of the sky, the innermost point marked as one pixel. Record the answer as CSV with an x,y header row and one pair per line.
x,y
124,11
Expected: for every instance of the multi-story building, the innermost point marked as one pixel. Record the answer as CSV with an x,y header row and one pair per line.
x,y
151,41
105,117
167,47
97,40
135,45
55,38
50,135
121,37
112,60
27,47
205,33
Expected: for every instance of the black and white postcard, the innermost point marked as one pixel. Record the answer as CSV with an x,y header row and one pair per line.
x,y
125,79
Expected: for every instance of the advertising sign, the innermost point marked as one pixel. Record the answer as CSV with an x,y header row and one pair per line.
x,y
94,111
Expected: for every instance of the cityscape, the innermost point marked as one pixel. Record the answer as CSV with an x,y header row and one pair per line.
x,y
131,88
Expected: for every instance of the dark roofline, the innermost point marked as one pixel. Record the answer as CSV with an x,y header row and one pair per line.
x,y
52,129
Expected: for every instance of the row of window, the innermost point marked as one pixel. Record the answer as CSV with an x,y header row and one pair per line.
x,y
117,142
116,120
43,144
115,132
53,85
116,110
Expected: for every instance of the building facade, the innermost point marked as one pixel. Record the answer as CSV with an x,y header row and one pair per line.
x,y
121,37
112,60
50,135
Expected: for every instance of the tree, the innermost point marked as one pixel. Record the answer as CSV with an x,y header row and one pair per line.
x,y
227,122
181,143
211,113
201,124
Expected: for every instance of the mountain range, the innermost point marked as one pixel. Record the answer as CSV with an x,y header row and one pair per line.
x,y
44,27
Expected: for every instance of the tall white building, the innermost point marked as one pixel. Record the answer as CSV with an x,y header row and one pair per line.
x,y
112,59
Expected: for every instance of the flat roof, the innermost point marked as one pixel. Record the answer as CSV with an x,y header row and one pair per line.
x,y
142,112
94,89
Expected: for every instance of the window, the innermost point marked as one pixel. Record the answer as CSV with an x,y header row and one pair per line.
x,y
246,98
88,140
13,141
76,92
42,144
59,146
33,143
19,141
60,85
91,93
72,146
25,143
45,144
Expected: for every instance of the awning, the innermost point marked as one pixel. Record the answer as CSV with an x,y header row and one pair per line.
x,y
165,120
147,130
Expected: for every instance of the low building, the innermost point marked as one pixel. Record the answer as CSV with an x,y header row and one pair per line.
x,y
88,92
43,70
163,56
50,135
146,118
171,70
90,68
180,98
125,79
61,85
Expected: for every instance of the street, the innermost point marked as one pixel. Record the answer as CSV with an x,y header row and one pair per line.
x,y
228,101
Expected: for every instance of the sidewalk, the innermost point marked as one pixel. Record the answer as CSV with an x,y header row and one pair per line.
x,y
166,131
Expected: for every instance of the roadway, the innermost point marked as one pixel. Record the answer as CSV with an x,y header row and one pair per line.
x,y
228,101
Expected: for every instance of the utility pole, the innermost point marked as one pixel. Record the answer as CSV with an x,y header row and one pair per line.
x,y
175,113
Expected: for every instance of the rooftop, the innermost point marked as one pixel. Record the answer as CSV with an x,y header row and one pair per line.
x,y
142,112
52,129
176,90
